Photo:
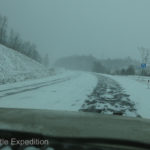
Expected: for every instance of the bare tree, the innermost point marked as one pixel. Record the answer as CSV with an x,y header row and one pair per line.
x,y
14,41
145,58
3,29
144,54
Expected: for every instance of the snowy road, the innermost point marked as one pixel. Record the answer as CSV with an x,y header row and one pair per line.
x,y
79,91
136,87
31,87
109,97
66,91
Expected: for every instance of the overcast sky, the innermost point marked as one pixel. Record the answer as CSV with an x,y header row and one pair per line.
x,y
104,28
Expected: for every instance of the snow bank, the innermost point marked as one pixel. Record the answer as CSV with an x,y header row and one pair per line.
x,y
15,66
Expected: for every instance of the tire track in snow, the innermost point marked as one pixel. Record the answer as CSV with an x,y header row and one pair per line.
x,y
35,86
109,98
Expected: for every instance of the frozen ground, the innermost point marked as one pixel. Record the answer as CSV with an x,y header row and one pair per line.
x,y
138,90
66,91
16,67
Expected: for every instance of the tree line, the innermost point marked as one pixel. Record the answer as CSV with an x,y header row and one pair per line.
x,y
12,39
130,70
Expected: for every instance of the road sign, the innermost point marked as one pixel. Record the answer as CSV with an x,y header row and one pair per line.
x,y
143,66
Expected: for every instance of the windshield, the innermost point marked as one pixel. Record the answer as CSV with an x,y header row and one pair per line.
x,y
76,55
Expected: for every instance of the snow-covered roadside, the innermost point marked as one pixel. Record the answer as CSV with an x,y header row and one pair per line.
x,y
59,75
138,91
15,67
67,95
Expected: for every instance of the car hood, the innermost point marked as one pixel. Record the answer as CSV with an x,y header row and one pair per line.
x,y
75,124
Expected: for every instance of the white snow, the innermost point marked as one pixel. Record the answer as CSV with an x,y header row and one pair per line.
x,y
65,91
15,66
68,91
136,87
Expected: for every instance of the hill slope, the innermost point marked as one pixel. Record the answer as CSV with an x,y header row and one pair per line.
x,y
15,66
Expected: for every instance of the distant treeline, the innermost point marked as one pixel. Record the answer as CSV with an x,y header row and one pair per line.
x,y
130,70
125,66
12,39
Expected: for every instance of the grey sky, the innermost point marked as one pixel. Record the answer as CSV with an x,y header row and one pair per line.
x,y
104,28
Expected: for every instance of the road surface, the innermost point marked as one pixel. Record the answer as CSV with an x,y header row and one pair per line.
x,y
109,97
73,91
